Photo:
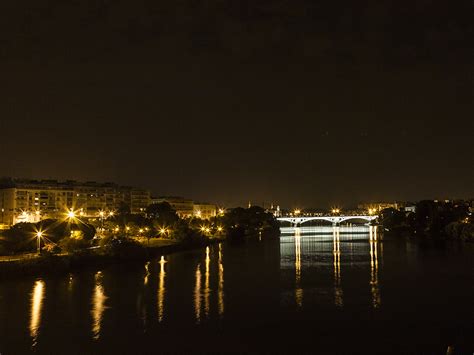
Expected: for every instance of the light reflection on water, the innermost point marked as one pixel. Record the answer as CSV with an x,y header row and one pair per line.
x,y
37,296
197,294
374,268
98,306
202,295
308,252
220,287
207,290
338,278
161,290
298,288
338,294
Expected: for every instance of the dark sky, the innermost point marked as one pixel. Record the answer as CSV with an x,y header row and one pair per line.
x,y
299,102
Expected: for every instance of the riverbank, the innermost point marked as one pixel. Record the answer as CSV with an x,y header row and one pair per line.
x,y
63,263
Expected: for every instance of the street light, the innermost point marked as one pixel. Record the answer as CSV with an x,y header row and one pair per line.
x,y
297,212
71,214
39,234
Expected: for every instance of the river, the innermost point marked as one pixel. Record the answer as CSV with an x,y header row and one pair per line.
x,y
323,290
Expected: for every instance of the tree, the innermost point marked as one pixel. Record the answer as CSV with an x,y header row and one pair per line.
x,y
76,241
123,209
163,213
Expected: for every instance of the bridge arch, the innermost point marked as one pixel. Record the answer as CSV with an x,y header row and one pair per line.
x,y
331,219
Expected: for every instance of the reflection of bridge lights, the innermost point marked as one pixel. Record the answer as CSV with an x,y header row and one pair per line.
x,y
374,268
338,293
299,289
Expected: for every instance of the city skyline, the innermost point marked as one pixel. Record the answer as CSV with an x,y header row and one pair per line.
x,y
145,197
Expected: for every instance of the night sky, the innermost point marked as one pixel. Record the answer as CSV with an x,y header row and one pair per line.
x,y
297,102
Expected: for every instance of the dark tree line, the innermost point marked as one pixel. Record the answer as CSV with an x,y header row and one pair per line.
x,y
434,219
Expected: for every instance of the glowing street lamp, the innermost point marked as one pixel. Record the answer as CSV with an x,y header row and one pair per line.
x,y
297,212
39,234
221,211
220,229
71,214
335,210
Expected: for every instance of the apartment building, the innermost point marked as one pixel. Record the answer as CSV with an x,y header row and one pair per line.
x,y
24,200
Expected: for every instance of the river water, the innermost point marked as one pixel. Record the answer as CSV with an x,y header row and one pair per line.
x,y
317,290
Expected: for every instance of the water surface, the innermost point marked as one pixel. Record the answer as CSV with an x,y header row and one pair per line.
x,y
344,291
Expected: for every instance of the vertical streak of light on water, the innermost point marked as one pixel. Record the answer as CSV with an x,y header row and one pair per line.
x,y
207,289
298,289
338,294
197,294
220,289
147,273
98,306
374,268
37,296
161,290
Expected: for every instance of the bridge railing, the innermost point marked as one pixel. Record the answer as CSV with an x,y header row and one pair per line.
x,y
365,214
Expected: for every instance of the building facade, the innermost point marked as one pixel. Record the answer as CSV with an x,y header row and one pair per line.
x,y
204,210
379,206
184,208
32,200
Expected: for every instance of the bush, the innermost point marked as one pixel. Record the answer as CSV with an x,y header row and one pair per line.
x,y
72,244
122,247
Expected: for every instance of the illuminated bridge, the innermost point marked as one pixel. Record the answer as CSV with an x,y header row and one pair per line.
x,y
335,220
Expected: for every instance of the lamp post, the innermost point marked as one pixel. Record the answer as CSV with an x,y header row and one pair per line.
x,y
38,241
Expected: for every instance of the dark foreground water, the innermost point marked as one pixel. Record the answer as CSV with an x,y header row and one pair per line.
x,y
336,293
